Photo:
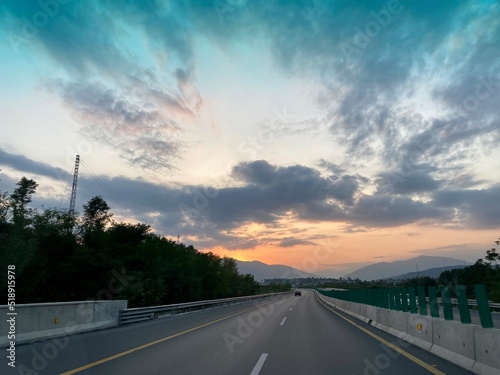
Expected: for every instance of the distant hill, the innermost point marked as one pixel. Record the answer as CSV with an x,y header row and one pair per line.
x,y
262,271
385,270
431,272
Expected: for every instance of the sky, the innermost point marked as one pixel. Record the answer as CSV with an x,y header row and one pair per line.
x,y
323,135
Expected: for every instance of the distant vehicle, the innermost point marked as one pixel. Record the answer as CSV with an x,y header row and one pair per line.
x,y
298,293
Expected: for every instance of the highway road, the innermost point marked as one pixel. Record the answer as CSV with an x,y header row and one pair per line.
x,y
286,335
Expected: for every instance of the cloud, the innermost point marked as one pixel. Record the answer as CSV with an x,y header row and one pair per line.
x,y
143,134
407,90
24,164
414,180
291,242
466,251
388,211
372,60
127,103
215,216
475,208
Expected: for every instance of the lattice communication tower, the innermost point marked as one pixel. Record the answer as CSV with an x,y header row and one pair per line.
x,y
72,201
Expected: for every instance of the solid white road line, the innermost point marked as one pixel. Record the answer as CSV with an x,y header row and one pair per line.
x,y
283,321
259,364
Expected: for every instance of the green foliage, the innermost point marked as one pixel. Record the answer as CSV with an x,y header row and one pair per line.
x,y
425,281
277,287
485,271
4,207
19,201
60,257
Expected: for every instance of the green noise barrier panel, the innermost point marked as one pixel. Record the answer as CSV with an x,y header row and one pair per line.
x,y
422,303
413,304
405,299
433,302
447,308
483,306
463,304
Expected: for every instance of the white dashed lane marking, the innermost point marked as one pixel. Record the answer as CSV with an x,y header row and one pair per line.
x,y
259,364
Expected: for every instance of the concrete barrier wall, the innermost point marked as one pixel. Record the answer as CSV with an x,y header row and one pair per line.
x,y
43,320
470,346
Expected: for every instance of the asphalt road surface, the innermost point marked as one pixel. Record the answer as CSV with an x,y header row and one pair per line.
x,y
286,335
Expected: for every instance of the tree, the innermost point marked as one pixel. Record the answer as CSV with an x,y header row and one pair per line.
x,y
95,217
485,271
96,214
20,199
492,256
4,206
56,263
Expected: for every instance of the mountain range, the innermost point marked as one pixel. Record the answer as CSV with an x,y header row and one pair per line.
x,y
262,271
401,269
384,270
431,272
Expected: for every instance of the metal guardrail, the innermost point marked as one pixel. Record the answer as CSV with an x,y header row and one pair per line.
x,y
472,303
139,314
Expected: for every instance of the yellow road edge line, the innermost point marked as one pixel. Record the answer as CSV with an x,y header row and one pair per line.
x,y
122,354
385,342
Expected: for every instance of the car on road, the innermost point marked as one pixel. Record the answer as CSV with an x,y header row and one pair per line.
x,y
298,293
